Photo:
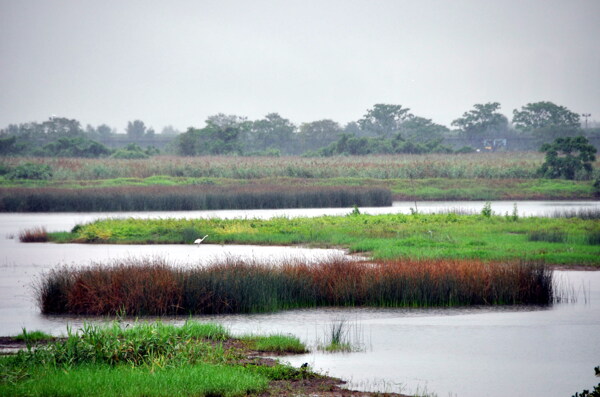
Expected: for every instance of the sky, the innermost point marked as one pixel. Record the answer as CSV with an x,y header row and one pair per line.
x,y
177,62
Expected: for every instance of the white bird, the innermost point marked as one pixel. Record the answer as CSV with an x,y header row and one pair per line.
x,y
199,240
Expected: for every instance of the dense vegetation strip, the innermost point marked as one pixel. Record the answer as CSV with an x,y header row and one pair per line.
x,y
224,182
524,165
451,236
158,198
153,287
147,359
402,189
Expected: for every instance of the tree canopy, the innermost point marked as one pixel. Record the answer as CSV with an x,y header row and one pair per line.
x,y
539,115
384,120
484,121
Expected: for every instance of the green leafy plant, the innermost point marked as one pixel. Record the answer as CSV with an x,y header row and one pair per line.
x,y
31,171
566,156
487,209
593,393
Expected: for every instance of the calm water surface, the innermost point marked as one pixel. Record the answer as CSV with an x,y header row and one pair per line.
x,y
518,351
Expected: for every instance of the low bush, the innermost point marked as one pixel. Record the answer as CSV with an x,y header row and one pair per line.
x,y
31,171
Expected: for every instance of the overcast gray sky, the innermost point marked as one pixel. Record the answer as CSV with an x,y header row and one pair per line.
x,y
177,62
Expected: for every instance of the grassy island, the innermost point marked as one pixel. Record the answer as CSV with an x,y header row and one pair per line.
x,y
554,241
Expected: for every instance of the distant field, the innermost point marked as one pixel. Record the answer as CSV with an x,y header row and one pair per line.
x,y
479,176
476,165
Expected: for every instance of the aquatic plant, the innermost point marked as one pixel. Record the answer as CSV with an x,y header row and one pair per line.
x,y
153,287
338,339
581,213
34,235
551,236
186,198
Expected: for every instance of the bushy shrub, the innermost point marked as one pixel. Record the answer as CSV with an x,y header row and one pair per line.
x,y
31,171
465,150
131,151
568,156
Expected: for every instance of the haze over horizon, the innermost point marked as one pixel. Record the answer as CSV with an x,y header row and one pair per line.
x,y
179,62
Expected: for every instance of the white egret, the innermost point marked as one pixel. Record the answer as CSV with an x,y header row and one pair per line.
x,y
199,240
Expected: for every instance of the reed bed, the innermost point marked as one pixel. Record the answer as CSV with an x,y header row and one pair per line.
x,y
550,236
476,165
186,198
581,213
34,235
153,287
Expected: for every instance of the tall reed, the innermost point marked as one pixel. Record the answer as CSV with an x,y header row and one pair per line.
x,y
581,213
34,235
153,287
186,198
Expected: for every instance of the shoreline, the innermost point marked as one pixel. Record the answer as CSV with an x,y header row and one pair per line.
x,y
312,383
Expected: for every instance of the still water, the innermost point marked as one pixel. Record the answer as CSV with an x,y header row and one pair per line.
x,y
516,351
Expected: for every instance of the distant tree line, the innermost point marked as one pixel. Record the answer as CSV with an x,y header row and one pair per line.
x,y
383,129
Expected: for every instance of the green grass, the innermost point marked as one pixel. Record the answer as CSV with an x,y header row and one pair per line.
x,y
33,336
146,359
103,380
275,343
389,236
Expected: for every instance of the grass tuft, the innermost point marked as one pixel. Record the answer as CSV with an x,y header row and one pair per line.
x,y
278,343
35,235
33,336
339,340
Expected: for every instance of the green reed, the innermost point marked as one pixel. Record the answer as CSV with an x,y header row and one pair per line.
x,y
186,198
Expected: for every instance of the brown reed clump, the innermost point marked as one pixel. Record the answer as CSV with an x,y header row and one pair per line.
x,y
152,287
34,235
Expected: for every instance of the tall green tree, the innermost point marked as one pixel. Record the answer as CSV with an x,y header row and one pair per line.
x,y
220,136
317,134
135,129
538,115
566,156
383,120
483,121
273,131
420,129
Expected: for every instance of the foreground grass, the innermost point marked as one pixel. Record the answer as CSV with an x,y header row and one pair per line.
x,y
103,380
143,360
419,236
